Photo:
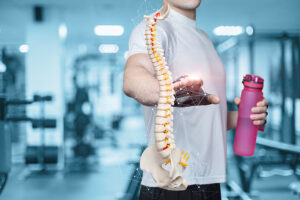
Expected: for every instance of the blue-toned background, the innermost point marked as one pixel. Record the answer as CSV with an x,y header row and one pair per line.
x,y
67,131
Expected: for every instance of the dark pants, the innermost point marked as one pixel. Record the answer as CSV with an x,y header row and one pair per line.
x,y
193,192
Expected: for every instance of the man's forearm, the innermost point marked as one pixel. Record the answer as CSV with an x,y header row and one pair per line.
x,y
141,85
232,119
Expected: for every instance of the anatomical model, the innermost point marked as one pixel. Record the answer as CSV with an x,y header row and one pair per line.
x,y
164,151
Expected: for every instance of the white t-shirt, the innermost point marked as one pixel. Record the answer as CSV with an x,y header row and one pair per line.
x,y
198,130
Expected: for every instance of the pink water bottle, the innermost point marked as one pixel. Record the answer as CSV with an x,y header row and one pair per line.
x,y
246,131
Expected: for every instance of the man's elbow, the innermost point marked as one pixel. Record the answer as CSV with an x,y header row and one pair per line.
x,y
126,91
126,87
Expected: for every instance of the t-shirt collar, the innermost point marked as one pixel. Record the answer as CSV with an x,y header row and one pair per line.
x,y
182,19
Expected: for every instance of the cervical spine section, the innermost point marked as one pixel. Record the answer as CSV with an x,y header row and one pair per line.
x,y
164,139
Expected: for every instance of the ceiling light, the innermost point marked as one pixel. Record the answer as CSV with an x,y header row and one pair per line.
x,y
108,48
62,31
24,48
2,67
250,30
109,30
228,30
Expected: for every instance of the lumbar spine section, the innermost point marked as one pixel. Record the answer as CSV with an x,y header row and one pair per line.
x,y
164,151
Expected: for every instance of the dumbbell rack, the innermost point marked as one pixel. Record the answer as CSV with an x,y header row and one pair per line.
x,y
40,155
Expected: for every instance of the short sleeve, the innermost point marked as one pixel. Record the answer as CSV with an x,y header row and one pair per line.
x,y
137,40
137,43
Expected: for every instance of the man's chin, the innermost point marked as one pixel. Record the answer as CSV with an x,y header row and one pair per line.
x,y
185,5
190,5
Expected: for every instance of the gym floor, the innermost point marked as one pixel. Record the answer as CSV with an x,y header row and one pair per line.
x,y
109,179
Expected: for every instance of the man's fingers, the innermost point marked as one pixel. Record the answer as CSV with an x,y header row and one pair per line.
x,y
180,78
213,99
183,82
259,122
176,85
258,116
195,81
264,102
259,109
189,82
179,84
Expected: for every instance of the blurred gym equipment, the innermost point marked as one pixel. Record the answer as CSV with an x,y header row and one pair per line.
x,y
5,152
134,186
277,152
78,118
33,153
82,128
270,153
40,155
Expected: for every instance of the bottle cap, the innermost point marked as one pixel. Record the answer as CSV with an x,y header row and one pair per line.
x,y
253,81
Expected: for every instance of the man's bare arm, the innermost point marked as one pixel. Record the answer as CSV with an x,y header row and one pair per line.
x,y
139,81
231,119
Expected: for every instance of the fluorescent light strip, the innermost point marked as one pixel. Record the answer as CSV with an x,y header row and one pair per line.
x,y
108,48
228,30
109,30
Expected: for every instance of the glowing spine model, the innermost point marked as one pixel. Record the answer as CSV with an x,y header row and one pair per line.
x,y
164,151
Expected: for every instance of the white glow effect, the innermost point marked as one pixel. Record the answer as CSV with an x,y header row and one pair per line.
x,y
108,48
109,30
249,30
228,30
24,48
193,77
2,67
62,31
125,55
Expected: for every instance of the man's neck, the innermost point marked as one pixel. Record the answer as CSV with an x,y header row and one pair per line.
x,y
188,13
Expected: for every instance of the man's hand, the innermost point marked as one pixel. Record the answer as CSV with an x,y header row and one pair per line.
x,y
189,92
260,111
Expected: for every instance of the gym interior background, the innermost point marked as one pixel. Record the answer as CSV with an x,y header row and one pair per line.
x,y
67,131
